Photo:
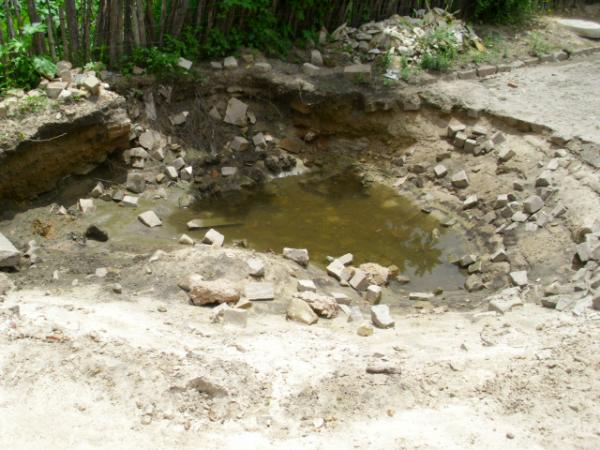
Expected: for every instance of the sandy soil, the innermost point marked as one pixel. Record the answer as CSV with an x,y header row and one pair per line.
x,y
84,370
83,367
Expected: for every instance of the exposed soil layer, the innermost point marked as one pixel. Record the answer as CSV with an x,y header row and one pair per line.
x,y
124,359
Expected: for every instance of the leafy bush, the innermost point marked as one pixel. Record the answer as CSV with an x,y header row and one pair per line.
x,y
504,11
441,49
18,67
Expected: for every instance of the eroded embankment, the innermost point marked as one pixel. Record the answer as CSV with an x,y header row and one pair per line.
x,y
60,141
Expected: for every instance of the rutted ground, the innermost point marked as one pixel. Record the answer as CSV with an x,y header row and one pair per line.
x,y
102,348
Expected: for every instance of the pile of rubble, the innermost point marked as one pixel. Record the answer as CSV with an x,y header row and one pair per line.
x,y
306,306
70,84
402,38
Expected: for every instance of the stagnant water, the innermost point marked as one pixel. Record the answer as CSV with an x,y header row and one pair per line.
x,y
328,215
331,216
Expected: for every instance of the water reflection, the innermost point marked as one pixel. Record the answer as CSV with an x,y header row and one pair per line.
x,y
331,216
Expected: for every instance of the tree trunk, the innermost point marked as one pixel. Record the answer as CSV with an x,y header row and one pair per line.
x,y
50,30
71,11
141,22
38,38
150,24
63,31
116,32
163,21
179,17
17,8
10,28
101,29
87,20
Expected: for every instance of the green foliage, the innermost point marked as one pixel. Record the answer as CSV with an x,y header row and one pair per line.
x,y
18,67
154,60
505,11
441,50
539,45
30,104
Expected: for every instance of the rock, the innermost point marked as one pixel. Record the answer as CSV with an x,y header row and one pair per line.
x,y
215,114
341,298
230,63
505,300
54,89
470,202
337,270
306,286
259,140
6,285
65,96
316,58
117,288
533,204
323,305
259,291
136,157
467,260
519,278
505,154
346,259
373,294
460,180
365,329
501,201
63,65
98,190
298,255
187,173
460,139
454,128
236,113
300,311
376,273
380,316
150,219
239,144
596,302
185,64
358,69
184,239
263,67
214,238
210,292
216,315
86,205
360,280
9,255
544,179
470,145
136,182
383,369
96,234
171,173
235,317
256,267
421,296
227,171
243,303
179,118
473,283
91,84
310,69
189,281
440,171
519,217
499,256
129,200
